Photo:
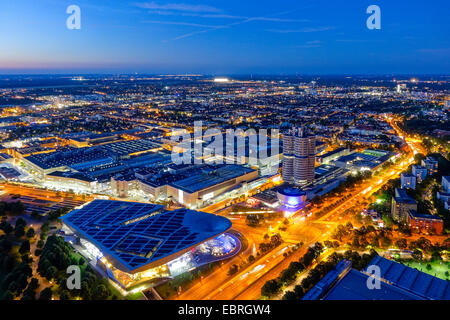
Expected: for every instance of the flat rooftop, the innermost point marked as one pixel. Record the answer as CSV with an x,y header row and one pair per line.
x,y
413,280
398,282
127,147
210,176
68,157
353,286
137,235
402,197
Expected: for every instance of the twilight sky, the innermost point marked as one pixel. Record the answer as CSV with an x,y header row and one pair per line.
x,y
225,37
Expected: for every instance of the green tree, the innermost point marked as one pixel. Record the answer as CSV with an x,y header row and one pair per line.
x,y
290,295
270,288
30,233
25,247
19,231
46,294
100,292
401,243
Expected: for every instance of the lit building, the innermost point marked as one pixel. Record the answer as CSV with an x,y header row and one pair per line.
x,y
431,164
298,157
401,204
291,197
446,183
120,185
69,180
419,222
332,155
420,172
201,186
133,243
408,181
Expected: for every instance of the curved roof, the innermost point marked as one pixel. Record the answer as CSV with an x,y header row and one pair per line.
x,y
138,236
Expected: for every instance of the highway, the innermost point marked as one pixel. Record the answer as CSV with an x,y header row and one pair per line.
x,y
247,284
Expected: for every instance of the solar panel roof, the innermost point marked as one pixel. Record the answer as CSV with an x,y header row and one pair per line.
x,y
139,234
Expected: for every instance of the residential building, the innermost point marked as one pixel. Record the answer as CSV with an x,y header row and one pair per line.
x,y
401,204
408,181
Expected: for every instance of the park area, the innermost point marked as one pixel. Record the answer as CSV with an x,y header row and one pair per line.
x,y
437,268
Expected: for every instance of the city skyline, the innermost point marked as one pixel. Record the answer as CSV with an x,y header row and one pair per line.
x,y
222,155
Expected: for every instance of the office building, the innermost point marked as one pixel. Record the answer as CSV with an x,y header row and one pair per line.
x,y
298,157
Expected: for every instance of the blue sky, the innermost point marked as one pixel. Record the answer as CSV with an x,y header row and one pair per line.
x,y
225,37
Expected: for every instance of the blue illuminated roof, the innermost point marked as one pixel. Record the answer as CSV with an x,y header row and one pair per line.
x,y
412,280
139,234
399,282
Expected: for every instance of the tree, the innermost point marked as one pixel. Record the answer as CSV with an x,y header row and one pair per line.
x,y
21,222
64,295
5,245
233,269
435,256
401,243
34,283
8,295
46,294
25,247
31,233
19,231
50,273
7,228
417,254
40,244
287,275
328,244
387,221
100,292
270,288
355,242
290,295
386,241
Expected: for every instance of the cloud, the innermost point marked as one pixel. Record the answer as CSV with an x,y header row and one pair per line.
x,y
311,44
277,19
302,30
177,7
352,40
244,20
180,23
223,16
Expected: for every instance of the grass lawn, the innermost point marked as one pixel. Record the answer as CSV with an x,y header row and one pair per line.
x,y
438,268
